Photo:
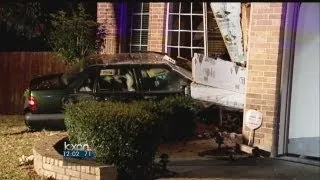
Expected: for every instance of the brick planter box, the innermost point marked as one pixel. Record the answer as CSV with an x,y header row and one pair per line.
x,y
49,163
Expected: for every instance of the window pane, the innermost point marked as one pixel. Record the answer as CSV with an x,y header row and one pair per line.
x,y
200,51
145,7
197,8
135,48
185,7
174,22
185,22
161,79
185,53
173,38
174,7
135,37
173,52
197,39
137,8
116,79
185,39
136,22
145,21
144,37
197,23
144,48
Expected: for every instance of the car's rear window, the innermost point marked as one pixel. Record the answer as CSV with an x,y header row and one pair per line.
x,y
47,82
71,74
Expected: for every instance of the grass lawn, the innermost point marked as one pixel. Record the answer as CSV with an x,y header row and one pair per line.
x,y
15,141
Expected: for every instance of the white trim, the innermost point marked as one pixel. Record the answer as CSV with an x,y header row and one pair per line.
x,y
139,29
205,33
182,30
185,14
186,47
167,27
179,27
191,27
140,26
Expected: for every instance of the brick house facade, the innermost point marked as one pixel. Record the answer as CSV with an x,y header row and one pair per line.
x,y
263,41
264,59
157,21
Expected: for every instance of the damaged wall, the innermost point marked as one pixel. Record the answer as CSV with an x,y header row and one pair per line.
x,y
245,19
218,81
227,16
216,44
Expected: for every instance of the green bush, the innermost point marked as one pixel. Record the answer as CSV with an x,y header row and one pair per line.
x,y
176,114
123,134
127,134
76,35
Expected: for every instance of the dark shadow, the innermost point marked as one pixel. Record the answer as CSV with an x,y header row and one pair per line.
x,y
20,132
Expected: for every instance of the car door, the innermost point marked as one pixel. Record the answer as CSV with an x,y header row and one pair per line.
x,y
117,82
84,86
158,81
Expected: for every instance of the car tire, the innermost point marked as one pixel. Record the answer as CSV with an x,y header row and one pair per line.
x,y
32,126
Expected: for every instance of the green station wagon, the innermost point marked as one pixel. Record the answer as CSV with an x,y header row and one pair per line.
x,y
124,77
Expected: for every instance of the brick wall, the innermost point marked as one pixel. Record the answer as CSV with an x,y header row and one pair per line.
x,y
264,66
107,13
48,163
106,16
157,25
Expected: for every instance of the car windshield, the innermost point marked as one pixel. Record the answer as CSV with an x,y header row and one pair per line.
x,y
71,74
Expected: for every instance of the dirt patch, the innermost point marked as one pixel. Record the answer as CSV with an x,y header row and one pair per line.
x,y
204,144
187,149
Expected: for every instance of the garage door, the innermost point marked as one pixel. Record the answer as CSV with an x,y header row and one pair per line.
x,y
304,135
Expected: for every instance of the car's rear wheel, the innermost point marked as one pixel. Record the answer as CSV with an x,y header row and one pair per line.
x,y
33,126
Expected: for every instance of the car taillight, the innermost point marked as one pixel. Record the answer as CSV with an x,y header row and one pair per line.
x,y
32,103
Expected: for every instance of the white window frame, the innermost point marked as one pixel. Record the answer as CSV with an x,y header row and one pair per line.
x,y
204,15
141,13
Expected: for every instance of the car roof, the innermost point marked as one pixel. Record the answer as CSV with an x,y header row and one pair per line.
x,y
125,58
138,58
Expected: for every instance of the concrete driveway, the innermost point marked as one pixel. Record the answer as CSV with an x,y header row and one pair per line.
x,y
249,168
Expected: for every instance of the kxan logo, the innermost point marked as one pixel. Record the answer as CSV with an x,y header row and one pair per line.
x,y
76,147
78,150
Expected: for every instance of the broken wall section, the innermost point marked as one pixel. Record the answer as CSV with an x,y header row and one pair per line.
x,y
227,16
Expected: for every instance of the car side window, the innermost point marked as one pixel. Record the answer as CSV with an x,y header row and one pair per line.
x,y
87,83
116,79
161,79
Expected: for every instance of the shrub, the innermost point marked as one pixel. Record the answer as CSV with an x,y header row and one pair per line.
x,y
123,134
127,134
176,114
75,35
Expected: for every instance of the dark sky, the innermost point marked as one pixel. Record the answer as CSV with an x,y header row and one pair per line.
x,y
10,41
